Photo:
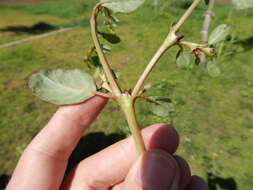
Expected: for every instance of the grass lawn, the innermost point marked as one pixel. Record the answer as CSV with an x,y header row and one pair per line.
x,y
213,116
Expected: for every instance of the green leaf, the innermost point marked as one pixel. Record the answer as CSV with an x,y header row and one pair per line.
x,y
62,87
184,60
94,62
112,38
122,6
213,70
161,106
219,34
243,4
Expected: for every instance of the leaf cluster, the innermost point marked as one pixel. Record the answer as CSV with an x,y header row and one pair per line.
x,y
186,58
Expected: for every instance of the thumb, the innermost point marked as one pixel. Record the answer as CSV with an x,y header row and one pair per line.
x,y
155,170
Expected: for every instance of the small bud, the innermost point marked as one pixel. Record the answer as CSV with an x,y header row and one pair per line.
x,y
208,51
179,36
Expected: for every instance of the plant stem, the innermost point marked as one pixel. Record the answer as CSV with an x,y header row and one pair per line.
x,y
126,102
169,41
106,67
205,28
207,21
105,95
186,15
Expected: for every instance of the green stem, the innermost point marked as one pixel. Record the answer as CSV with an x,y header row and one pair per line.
x,y
126,102
168,42
186,15
106,67
171,40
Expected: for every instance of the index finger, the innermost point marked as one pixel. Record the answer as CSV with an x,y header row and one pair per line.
x,y
44,161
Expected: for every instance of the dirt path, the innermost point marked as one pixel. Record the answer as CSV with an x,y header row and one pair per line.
x,y
24,1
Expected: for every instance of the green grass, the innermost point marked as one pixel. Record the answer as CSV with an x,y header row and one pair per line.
x,y
213,115
65,8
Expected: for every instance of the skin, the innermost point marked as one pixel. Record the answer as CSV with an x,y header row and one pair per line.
x,y
44,161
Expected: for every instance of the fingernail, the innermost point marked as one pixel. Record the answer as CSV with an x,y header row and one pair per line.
x,y
156,170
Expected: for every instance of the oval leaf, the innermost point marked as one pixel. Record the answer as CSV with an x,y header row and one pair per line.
x,y
243,4
62,87
184,60
161,106
213,70
122,6
112,38
219,34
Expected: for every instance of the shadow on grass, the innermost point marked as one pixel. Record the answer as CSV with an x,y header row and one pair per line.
x,y
38,28
247,43
225,183
3,180
91,144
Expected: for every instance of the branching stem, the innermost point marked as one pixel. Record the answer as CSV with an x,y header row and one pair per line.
x,y
126,100
171,40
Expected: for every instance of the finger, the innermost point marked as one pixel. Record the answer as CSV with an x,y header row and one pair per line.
x,y
44,161
117,186
112,164
155,170
185,175
185,172
197,183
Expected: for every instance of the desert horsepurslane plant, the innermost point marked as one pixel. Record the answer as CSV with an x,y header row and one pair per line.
x,y
65,87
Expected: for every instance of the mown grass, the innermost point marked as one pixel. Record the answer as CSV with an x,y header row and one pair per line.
x,y
213,115
64,9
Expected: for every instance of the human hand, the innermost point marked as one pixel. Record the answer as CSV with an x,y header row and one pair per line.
x,y
44,161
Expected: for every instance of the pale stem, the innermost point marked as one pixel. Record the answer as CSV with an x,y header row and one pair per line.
x,y
127,104
186,15
126,101
169,41
106,67
207,21
205,29
148,69
105,95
